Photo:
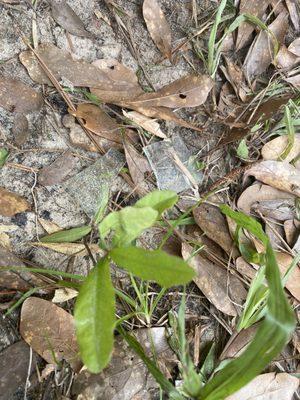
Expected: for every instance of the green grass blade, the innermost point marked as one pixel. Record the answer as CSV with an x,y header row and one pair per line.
x,y
67,236
95,317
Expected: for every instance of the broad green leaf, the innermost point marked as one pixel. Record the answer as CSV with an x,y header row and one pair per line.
x,y
95,317
242,150
271,337
167,386
3,156
67,236
127,224
160,200
155,265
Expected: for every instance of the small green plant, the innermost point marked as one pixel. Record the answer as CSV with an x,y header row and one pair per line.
x,y
94,313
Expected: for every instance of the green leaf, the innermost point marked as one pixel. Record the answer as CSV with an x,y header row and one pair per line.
x,y
242,150
95,317
67,236
246,222
167,386
159,200
153,265
127,224
3,156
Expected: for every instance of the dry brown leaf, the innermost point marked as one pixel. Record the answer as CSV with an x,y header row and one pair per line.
x,y
63,67
234,74
276,147
138,165
279,209
277,174
189,91
221,288
294,80
293,284
99,122
259,192
285,59
213,223
158,27
15,96
11,203
65,16
149,124
211,249
238,343
64,294
244,268
120,76
253,7
20,129
260,54
294,47
291,231
294,13
58,171
50,331
18,280
269,386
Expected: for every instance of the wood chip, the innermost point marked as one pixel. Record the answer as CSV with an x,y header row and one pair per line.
x,y
158,27
11,203
277,174
222,289
50,331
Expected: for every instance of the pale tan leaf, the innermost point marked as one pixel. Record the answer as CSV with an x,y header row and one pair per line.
x,y
189,91
294,13
138,165
15,96
69,249
64,294
213,223
58,171
293,284
261,53
255,8
11,203
5,241
259,192
221,288
277,174
274,149
66,17
238,343
49,226
244,268
158,27
50,331
294,80
20,129
291,231
286,59
149,124
294,47
269,386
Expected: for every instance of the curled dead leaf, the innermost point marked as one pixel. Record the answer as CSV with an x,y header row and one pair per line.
x,y
274,149
222,289
50,331
238,343
149,124
277,174
138,165
286,59
158,27
259,192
